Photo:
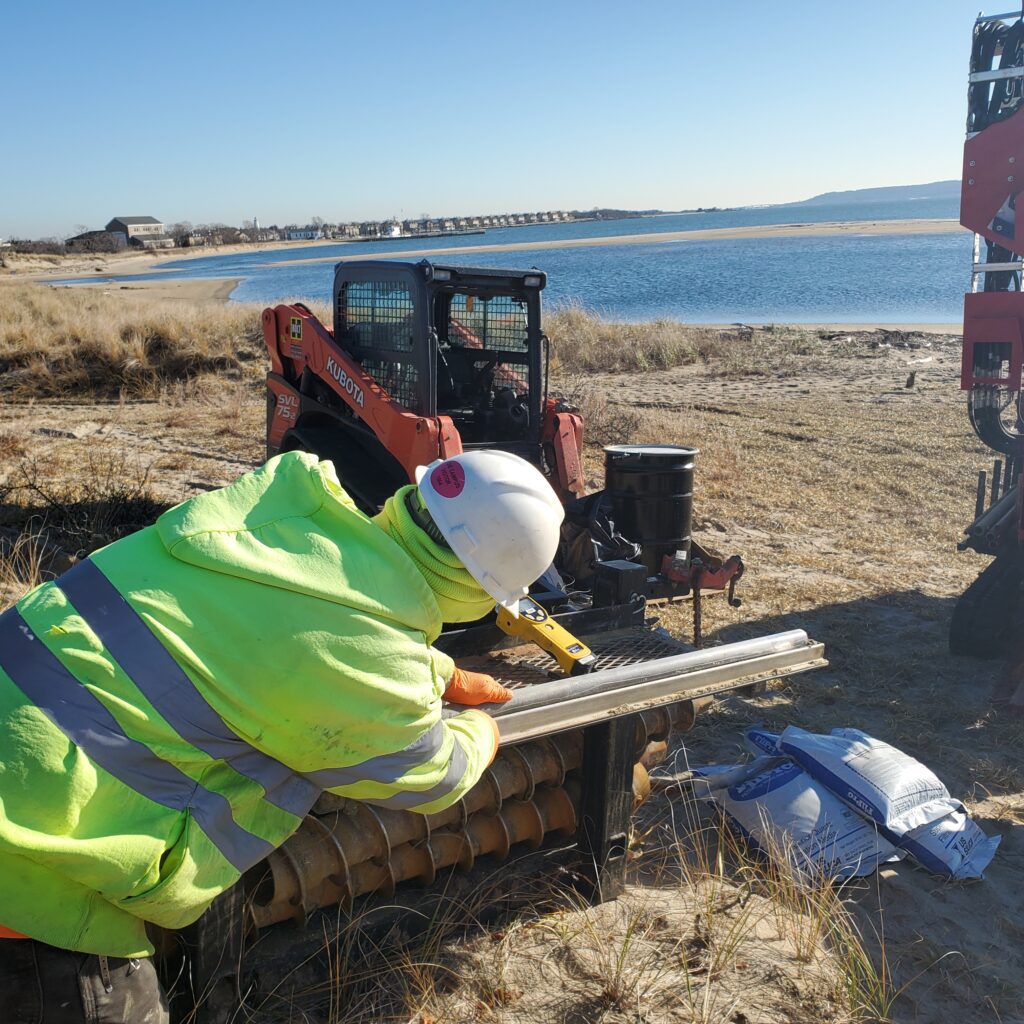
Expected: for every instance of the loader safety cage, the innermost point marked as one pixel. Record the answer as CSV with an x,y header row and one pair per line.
x,y
424,361
449,340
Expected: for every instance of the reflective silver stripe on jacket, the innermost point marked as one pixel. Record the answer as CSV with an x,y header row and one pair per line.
x,y
456,770
167,686
386,768
84,720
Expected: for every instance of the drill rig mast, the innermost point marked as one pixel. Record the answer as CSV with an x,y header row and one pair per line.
x,y
993,347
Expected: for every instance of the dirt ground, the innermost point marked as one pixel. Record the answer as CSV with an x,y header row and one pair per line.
x,y
845,486
846,491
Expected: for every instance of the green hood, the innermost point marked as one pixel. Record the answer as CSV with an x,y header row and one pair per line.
x,y
258,529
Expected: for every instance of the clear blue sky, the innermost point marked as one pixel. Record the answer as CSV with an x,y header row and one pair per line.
x,y
222,110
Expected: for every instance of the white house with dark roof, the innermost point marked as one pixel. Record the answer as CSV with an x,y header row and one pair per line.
x,y
147,232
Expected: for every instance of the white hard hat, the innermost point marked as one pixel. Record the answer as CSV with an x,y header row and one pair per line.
x,y
498,514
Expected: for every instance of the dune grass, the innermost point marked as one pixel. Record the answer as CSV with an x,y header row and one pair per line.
x,y
582,342
79,342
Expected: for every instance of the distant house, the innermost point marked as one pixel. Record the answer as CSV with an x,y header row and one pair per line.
x,y
144,232
304,234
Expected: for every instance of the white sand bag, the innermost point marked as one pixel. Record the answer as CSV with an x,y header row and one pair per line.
x,y
954,847
911,807
890,787
785,812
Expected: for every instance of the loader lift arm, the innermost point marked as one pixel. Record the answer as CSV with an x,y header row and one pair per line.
x,y
299,346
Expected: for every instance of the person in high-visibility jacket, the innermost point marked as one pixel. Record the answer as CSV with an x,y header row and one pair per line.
x,y
172,706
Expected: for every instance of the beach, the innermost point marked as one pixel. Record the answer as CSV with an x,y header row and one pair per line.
x,y
193,290
840,467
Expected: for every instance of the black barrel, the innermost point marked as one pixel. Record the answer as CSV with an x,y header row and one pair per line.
x,y
651,492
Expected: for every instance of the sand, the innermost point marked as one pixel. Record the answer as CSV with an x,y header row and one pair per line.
x,y
832,228
846,491
192,290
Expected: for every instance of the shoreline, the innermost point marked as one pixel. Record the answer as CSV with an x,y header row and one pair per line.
x,y
824,229
184,289
165,286
129,264
844,328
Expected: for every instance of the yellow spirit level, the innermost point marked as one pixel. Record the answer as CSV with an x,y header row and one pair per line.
x,y
536,625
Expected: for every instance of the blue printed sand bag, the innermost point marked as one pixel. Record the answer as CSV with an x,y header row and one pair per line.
x,y
760,741
905,799
782,811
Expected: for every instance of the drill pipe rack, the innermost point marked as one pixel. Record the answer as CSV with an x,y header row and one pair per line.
x,y
345,849
562,704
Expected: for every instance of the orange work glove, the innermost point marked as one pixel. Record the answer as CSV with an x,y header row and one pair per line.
x,y
475,688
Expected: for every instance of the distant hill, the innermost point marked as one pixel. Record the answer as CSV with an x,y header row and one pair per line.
x,y
933,190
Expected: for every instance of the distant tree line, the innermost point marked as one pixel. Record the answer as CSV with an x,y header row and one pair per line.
x,y
42,246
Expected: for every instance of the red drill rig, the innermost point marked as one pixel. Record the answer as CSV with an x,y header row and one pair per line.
x,y
993,347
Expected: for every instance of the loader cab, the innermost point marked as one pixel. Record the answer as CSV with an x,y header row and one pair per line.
x,y
455,341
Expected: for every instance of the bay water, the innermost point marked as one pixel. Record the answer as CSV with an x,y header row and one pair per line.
x,y
848,278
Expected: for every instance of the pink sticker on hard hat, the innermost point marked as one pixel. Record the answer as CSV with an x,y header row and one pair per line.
x,y
448,479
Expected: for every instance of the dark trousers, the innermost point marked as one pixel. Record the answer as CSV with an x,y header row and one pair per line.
x,y
41,984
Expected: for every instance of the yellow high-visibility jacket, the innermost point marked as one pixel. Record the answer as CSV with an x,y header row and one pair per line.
x,y
172,706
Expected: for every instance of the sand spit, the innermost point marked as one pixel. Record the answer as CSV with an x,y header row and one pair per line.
x,y
832,228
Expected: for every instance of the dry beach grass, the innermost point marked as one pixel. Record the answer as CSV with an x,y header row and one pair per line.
x,y
82,342
845,491
90,342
